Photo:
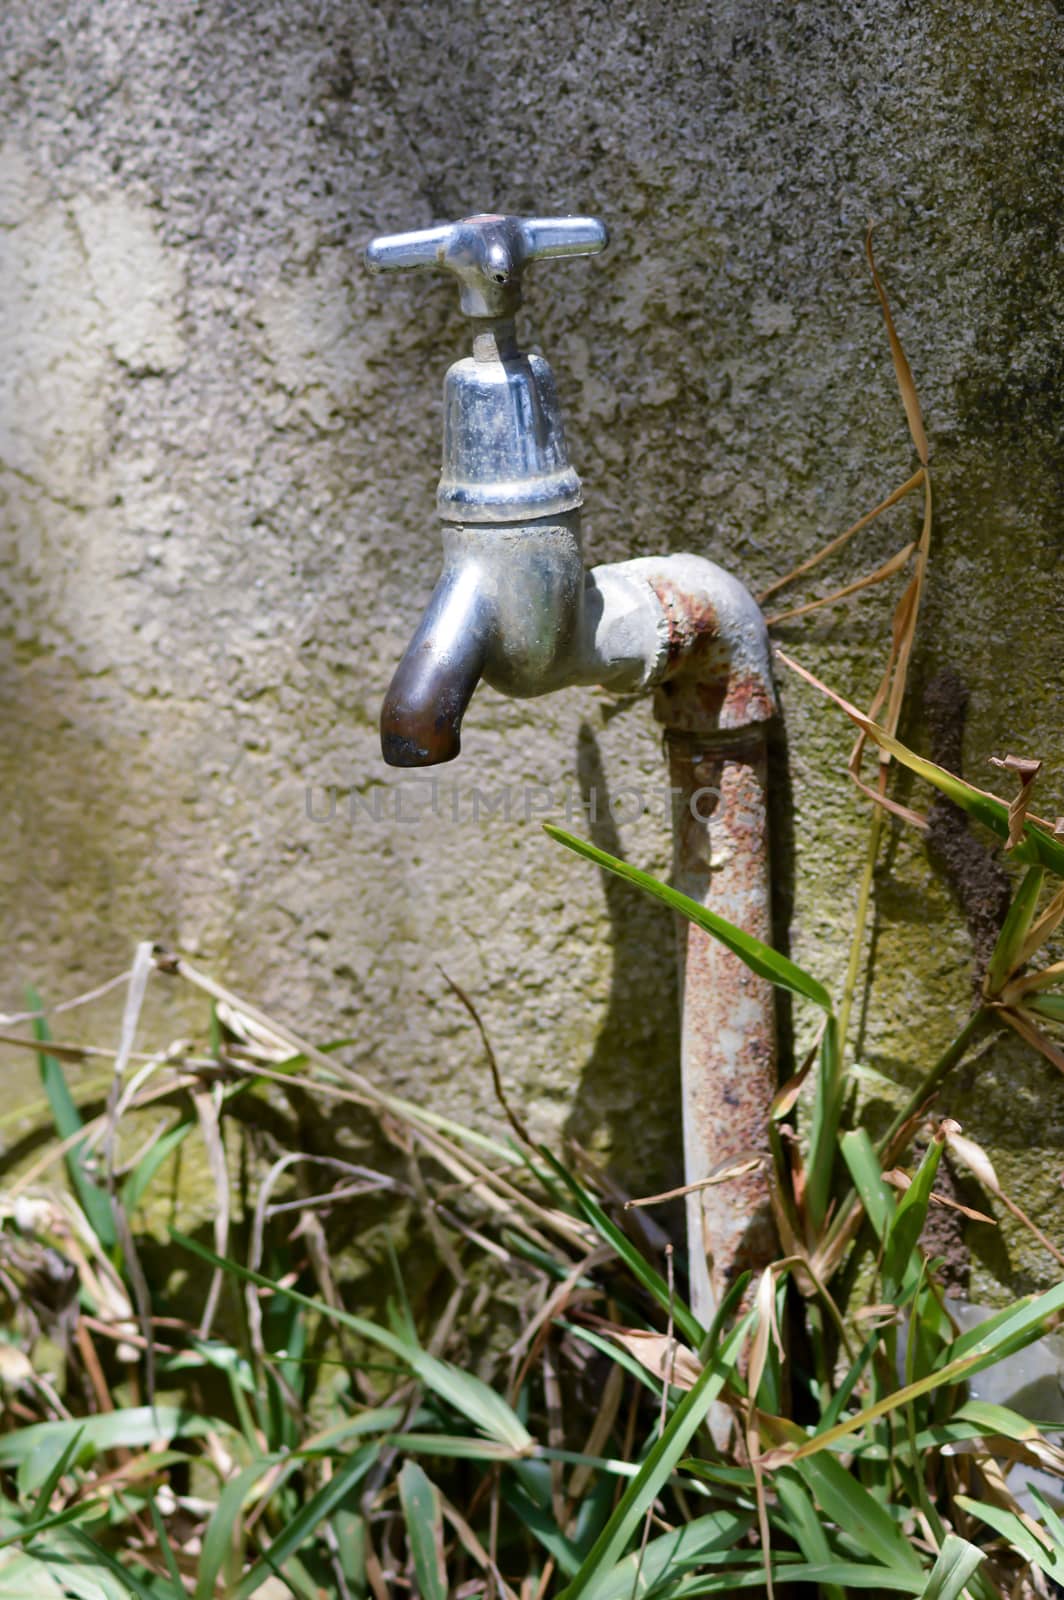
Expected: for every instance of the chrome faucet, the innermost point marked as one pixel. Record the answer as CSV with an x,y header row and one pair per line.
x,y
515,606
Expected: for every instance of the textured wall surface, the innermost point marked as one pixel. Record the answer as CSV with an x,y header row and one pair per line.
x,y
218,440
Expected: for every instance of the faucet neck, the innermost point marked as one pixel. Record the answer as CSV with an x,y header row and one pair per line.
x,y
504,454
495,339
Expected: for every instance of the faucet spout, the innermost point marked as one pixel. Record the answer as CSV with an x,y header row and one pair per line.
x,y
421,719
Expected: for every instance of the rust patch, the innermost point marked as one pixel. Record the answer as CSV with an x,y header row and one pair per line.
x,y
691,619
696,701
703,687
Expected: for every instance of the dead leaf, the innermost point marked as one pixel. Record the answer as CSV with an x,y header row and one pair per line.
x,y
965,1211
660,1355
208,1115
1047,924
883,1313
1015,992
737,1167
886,740
787,1095
899,1179
767,1328
1027,771
1020,1020
887,570
974,1157
902,370
842,538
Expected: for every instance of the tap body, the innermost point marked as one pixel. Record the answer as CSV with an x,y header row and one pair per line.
x,y
515,607
508,608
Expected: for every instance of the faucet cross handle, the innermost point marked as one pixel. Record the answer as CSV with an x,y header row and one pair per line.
x,y
487,254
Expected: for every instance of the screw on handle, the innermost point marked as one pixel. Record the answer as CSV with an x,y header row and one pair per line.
x,y
487,254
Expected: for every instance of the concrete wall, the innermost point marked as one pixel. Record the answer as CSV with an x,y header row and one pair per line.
x,y
218,441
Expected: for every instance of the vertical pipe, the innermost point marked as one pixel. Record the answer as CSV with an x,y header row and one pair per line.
x,y
728,1045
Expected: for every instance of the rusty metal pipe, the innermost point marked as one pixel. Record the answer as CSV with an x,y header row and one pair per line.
x,y
716,700
727,1023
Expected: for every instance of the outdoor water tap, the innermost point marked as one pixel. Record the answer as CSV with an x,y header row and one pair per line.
x,y
511,604
515,606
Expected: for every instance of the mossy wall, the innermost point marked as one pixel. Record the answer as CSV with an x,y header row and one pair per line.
x,y
218,441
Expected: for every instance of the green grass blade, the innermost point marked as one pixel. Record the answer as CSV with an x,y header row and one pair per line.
x,y
1014,929
1053,1520
218,1538
473,1398
1047,1005
1036,845
298,1580
424,1531
760,958
48,1487
35,1450
296,1063
851,1378
577,1458
23,1576
672,1555
848,1503
469,1395
726,1310
543,1526
824,1124
984,1420
1008,1331
640,1268
717,1472
592,1514
848,1575
453,1446
616,1353
785,1570
1001,1335
900,1246
93,1200
1048,1556
803,1523
306,1521
378,1419
58,1519
660,1461
957,1561
76,1550
136,1185
350,1531
167,1548
859,1154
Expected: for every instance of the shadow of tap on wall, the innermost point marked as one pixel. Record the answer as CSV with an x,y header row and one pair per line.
x,y
627,1104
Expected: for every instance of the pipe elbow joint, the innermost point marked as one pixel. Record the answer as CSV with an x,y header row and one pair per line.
x,y
701,637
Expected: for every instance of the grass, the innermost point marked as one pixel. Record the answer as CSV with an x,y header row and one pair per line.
x,y
279,1442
